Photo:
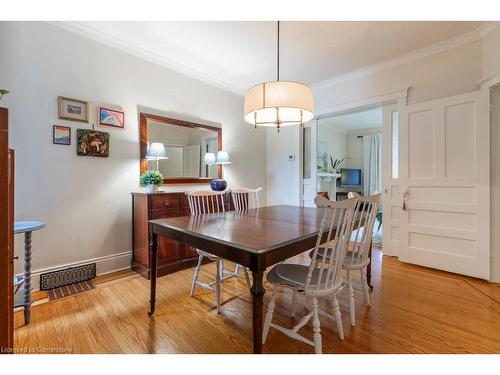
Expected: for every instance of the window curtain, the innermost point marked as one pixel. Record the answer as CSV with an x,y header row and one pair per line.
x,y
372,164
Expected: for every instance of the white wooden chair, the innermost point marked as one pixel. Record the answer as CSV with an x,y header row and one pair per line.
x,y
357,259
244,199
321,278
201,203
359,246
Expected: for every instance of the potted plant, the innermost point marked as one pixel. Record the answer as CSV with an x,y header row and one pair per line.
x,y
151,180
3,92
336,163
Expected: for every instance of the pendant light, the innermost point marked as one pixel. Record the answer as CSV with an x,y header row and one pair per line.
x,y
278,103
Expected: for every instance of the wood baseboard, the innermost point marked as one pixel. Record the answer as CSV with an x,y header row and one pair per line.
x,y
165,269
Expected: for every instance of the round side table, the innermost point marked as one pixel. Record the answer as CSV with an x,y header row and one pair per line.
x,y
24,297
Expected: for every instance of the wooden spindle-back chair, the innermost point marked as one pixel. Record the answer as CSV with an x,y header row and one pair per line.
x,y
322,277
203,203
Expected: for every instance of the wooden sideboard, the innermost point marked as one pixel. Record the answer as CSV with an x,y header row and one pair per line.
x,y
172,255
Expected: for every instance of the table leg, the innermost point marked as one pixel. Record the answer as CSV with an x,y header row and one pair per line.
x,y
153,261
257,304
27,278
369,268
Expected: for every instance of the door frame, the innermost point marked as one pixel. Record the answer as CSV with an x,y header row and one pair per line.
x,y
390,199
396,96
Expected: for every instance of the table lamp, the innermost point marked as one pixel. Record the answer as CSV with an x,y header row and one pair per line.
x,y
156,151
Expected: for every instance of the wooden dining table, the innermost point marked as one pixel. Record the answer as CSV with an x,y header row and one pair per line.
x,y
255,238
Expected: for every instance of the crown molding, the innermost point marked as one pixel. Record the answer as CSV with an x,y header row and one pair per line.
x,y
490,80
99,36
470,37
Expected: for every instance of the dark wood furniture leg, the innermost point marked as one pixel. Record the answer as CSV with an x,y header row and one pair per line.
x,y
257,305
27,277
369,268
153,253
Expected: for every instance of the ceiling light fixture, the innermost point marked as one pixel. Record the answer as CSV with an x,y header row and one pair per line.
x,y
278,103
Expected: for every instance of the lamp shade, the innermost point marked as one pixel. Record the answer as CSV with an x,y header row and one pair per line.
x,y
209,158
278,103
223,158
156,151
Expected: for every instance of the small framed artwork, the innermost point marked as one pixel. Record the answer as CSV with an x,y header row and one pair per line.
x,y
110,117
92,143
61,135
73,109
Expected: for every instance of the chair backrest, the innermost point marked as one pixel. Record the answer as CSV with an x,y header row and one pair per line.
x,y
205,202
324,271
245,199
364,222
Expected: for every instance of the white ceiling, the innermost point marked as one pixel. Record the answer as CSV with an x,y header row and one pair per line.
x,y
368,119
238,55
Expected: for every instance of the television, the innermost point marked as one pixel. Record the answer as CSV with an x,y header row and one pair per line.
x,y
350,178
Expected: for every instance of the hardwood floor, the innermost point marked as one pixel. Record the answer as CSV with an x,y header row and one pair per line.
x,y
414,310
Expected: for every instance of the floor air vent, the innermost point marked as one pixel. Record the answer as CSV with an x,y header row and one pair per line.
x,y
71,275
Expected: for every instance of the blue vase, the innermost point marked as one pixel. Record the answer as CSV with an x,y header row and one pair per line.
x,y
218,184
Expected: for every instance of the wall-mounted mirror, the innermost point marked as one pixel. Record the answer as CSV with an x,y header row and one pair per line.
x,y
183,146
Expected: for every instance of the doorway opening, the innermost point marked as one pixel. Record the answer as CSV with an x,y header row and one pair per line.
x,y
349,157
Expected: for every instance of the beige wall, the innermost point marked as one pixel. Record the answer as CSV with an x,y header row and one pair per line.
x,y
283,175
447,73
86,201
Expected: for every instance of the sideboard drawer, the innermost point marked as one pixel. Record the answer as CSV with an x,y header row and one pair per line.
x,y
165,202
161,214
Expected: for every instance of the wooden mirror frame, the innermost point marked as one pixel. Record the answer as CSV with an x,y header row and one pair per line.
x,y
143,129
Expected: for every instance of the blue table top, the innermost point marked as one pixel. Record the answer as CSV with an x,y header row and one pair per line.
x,y
27,226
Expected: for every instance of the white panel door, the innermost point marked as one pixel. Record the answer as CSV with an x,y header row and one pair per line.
x,y
444,177
391,198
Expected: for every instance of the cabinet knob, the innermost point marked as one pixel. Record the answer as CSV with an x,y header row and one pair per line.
x,y
166,203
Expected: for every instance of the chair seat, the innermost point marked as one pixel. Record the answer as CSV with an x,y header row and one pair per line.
x,y
349,262
295,275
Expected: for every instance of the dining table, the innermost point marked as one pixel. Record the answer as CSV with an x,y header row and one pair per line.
x,y
255,238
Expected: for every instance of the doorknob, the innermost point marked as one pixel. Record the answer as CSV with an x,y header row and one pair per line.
x,y
405,195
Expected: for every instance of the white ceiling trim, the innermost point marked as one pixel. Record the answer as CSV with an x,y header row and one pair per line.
x,y
458,41
364,103
490,80
99,36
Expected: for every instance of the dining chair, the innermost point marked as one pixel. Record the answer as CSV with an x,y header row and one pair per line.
x,y
358,249
321,279
202,203
244,199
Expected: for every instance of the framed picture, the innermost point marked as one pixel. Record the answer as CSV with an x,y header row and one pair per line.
x,y
92,143
110,117
61,135
73,109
